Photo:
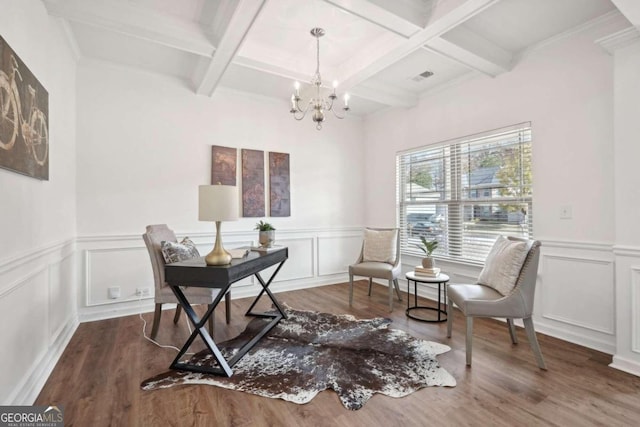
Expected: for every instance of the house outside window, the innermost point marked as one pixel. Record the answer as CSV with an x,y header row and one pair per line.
x,y
466,192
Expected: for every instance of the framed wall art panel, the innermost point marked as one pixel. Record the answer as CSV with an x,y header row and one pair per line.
x,y
279,185
253,183
24,117
223,165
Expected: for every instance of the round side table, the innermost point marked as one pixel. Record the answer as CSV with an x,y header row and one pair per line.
x,y
441,281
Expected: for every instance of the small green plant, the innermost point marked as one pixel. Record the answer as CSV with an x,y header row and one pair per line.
x,y
427,246
264,226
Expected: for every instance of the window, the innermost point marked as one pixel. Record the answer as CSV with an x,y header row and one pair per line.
x,y
466,192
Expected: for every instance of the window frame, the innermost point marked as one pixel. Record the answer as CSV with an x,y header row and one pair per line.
x,y
507,201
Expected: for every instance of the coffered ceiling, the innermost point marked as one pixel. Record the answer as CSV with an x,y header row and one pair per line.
x,y
375,49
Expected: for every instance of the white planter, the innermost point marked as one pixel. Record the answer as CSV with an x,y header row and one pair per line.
x,y
267,238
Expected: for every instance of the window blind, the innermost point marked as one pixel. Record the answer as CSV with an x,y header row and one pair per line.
x,y
465,192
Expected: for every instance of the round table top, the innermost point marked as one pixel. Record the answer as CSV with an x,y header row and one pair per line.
x,y
441,278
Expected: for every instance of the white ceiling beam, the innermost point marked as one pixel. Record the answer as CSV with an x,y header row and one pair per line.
x,y
215,17
242,19
134,21
377,15
469,49
444,17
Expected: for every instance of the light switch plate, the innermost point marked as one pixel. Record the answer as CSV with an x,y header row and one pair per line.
x,y
565,212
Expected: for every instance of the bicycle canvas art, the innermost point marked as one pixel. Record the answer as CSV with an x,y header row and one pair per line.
x,y
24,112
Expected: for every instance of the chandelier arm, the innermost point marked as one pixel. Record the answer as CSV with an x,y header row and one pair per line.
x,y
339,116
329,104
299,113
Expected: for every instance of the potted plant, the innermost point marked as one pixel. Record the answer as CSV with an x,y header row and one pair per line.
x,y
427,246
267,234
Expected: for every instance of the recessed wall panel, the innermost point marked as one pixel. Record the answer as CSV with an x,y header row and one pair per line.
x,y
335,253
578,291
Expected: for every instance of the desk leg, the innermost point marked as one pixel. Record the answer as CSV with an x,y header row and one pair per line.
x,y
265,288
200,329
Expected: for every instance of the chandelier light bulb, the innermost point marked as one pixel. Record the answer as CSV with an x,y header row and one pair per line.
x,y
296,85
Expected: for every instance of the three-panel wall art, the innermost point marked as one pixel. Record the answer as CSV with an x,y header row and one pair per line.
x,y
224,161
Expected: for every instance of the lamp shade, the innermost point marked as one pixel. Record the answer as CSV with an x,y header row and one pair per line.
x,y
217,203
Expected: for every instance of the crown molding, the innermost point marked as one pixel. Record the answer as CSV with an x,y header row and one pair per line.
x,y
619,40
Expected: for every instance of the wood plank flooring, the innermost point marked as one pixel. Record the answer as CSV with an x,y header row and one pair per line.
x,y
98,377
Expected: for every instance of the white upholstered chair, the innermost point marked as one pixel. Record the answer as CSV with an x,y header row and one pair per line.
x,y
493,300
379,258
153,238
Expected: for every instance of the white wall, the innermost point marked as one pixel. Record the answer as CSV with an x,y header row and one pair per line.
x,y
37,219
145,146
566,90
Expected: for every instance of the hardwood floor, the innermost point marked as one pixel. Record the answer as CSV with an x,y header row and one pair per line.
x,y
98,377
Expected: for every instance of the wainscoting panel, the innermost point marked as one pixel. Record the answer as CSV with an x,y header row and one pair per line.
x,y
61,293
579,291
127,268
635,310
336,253
627,352
316,257
38,305
28,305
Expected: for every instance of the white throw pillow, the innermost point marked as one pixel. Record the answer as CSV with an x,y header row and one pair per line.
x,y
176,252
380,245
503,265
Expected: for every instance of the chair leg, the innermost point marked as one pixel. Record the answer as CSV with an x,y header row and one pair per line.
x,y
370,283
156,321
395,282
350,289
469,338
210,321
227,306
177,315
512,331
390,295
449,317
533,342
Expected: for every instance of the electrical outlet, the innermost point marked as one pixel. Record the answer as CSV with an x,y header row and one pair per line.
x,y
143,292
114,292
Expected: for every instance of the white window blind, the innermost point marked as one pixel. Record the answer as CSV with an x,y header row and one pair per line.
x,y
465,192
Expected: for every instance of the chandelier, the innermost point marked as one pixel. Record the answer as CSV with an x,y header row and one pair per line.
x,y
318,104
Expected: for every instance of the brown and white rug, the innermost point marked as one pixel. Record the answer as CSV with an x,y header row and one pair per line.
x,y
310,352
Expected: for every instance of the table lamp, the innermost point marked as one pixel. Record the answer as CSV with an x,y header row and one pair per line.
x,y
218,203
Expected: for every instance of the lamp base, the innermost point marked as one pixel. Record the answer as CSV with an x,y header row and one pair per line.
x,y
218,256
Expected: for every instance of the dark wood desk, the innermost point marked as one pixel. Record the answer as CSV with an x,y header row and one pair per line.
x,y
195,272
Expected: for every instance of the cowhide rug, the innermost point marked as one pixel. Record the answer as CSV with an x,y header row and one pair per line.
x,y
310,352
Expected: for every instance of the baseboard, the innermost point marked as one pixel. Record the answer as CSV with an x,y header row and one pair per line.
x,y
27,392
111,311
626,365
